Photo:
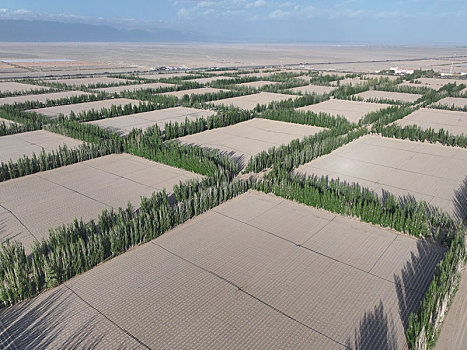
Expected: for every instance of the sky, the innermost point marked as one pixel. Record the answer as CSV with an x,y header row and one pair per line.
x,y
324,21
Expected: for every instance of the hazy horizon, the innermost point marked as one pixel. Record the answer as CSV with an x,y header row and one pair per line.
x,y
413,22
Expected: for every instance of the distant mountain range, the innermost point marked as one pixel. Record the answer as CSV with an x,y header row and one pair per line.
x,y
50,31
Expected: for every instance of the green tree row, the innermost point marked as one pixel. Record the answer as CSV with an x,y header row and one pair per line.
x,y
302,151
386,115
38,91
224,117
416,133
75,248
324,120
50,160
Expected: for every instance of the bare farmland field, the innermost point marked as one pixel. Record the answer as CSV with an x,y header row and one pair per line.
x,y
88,81
239,277
352,110
453,101
251,101
452,121
53,112
425,171
200,91
15,146
12,86
314,89
41,97
124,124
135,87
32,204
258,84
395,96
243,140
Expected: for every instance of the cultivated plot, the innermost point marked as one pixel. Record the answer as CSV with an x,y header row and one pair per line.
x,y
190,92
258,84
255,272
88,81
54,112
135,87
31,205
251,101
429,172
352,110
243,140
314,89
124,124
16,146
12,86
453,101
395,96
43,98
452,121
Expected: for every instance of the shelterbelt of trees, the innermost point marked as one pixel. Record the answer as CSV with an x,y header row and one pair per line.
x,y
77,247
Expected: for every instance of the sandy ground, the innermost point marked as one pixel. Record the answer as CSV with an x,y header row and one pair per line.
x,y
429,172
452,121
243,140
237,277
251,101
320,57
124,124
395,96
88,81
199,91
32,204
453,335
117,89
53,112
15,146
352,110
313,89
12,86
258,84
41,97
450,101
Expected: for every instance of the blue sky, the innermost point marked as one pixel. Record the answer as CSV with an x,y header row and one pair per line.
x,y
352,21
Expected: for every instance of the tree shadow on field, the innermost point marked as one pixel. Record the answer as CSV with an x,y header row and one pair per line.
x,y
460,202
415,277
375,331
41,323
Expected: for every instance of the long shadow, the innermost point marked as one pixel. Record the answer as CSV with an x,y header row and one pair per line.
x,y
415,277
375,331
460,203
40,324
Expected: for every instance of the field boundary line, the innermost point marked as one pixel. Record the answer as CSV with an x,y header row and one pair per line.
x,y
21,222
298,245
251,295
107,318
